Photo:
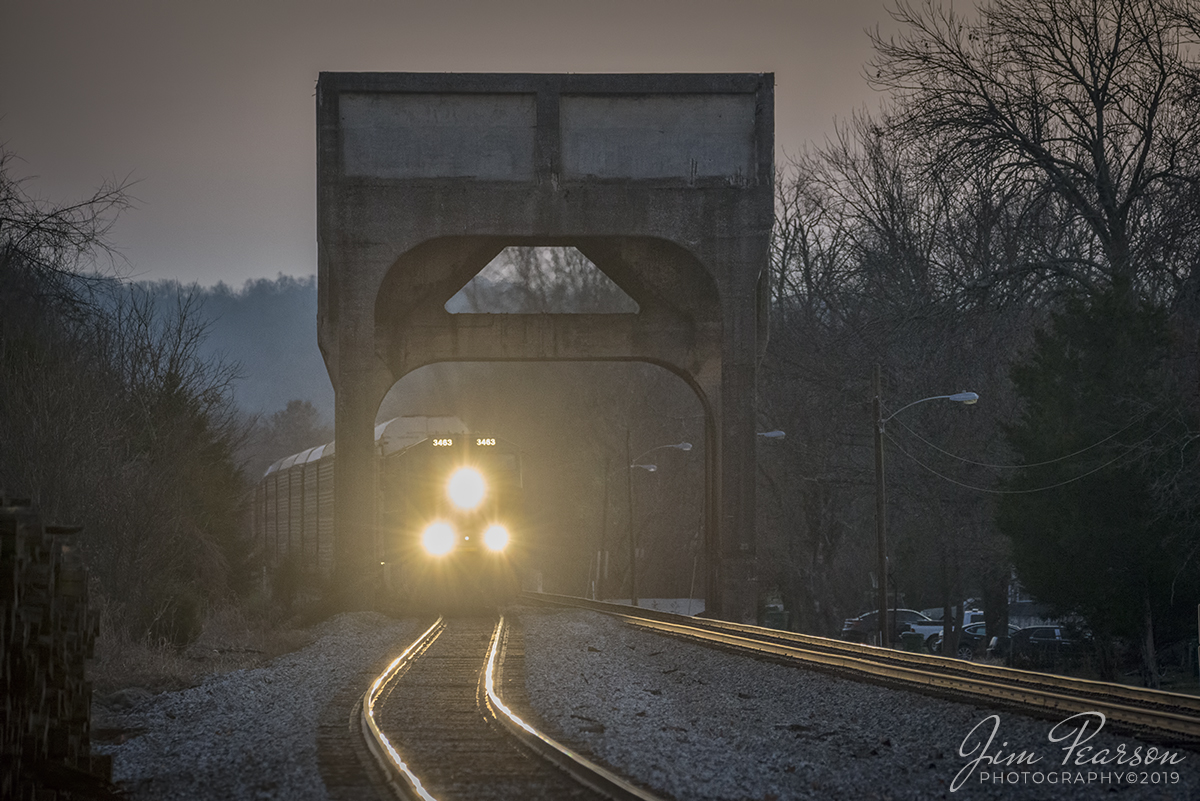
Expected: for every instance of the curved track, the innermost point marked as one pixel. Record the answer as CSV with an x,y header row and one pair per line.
x,y
437,724
1169,717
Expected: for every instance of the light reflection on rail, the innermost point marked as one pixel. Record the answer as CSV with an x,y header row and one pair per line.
x,y
587,773
377,741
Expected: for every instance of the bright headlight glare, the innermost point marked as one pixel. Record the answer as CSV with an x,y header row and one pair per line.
x,y
466,488
496,538
438,538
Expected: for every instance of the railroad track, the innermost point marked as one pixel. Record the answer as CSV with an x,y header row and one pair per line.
x,y
1170,718
436,722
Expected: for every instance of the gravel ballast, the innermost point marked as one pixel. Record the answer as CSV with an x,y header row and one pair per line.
x,y
696,724
687,721
249,734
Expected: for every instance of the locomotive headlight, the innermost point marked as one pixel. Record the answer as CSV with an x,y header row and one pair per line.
x,y
438,538
496,538
466,488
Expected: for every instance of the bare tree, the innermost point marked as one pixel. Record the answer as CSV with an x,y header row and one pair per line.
x,y
45,245
1093,101
876,258
544,280
110,418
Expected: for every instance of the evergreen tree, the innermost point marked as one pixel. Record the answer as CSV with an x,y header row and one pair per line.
x,y
1087,535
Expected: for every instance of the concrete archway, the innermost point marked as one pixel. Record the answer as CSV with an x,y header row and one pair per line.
x,y
663,181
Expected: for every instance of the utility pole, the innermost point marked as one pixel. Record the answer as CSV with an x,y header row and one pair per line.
x,y
633,599
965,398
885,636
601,554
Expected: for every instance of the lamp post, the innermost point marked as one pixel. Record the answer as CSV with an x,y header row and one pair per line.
x,y
965,398
649,468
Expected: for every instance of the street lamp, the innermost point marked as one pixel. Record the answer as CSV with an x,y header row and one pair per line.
x,y
965,398
649,468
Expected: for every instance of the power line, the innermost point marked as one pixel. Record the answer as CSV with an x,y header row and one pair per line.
x,y
1021,491
1020,466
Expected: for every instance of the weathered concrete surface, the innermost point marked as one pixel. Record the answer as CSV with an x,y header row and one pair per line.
x,y
407,136
663,181
658,136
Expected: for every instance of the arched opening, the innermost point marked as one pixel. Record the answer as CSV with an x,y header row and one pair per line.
x,y
580,426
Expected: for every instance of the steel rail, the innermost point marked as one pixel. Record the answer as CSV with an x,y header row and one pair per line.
x,y
1141,710
579,767
379,745
406,784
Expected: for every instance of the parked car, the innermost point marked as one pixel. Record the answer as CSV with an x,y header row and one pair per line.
x,y
1039,646
969,616
866,625
972,640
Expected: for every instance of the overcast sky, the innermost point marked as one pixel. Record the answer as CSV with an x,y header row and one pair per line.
x,y
209,105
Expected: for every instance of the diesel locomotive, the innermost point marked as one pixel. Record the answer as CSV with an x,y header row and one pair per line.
x,y
451,512
450,519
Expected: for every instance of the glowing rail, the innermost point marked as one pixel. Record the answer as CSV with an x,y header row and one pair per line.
x,y
378,743
403,780
583,770
1173,716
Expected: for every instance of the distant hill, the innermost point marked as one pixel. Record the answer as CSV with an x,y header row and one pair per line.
x,y
270,328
